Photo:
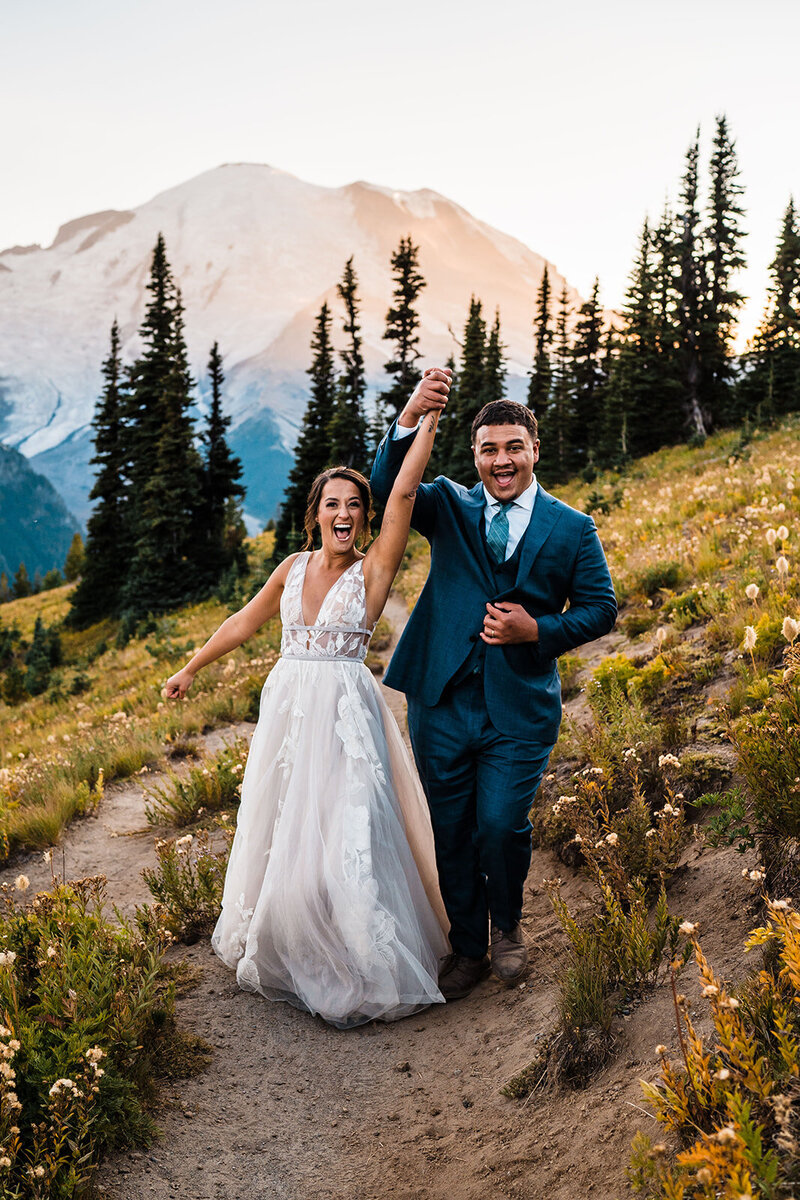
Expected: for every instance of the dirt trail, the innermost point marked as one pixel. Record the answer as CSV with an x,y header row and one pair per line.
x,y
290,1108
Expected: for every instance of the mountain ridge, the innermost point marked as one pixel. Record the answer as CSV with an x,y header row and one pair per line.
x,y
35,525
255,251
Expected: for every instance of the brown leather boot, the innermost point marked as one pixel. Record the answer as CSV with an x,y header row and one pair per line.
x,y
509,954
458,975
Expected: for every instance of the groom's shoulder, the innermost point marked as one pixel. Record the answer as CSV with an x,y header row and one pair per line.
x,y
455,492
570,521
565,511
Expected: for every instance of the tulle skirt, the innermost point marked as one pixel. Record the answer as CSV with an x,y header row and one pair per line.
x,y
331,901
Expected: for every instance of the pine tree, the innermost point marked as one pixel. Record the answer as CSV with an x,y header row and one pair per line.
x,y
107,550
222,524
460,464
312,453
558,418
441,447
402,323
165,469
692,290
541,374
667,418
494,367
633,392
347,432
589,380
5,589
75,561
37,660
771,384
724,236
22,584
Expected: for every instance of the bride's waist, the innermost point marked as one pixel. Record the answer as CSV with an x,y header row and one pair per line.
x,y
325,643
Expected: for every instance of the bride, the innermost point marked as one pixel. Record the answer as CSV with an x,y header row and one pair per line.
x,y
331,899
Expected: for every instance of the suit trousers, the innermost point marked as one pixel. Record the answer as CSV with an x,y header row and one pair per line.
x,y
480,785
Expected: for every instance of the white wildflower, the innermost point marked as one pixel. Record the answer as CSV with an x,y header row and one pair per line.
x,y
22,883
790,628
772,536
661,1049
612,839
711,989
783,533
751,591
750,636
687,927
668,760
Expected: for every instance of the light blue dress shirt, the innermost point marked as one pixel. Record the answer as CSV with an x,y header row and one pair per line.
x,y
519,514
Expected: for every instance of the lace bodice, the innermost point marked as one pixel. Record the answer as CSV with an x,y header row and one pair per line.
x,y
340,630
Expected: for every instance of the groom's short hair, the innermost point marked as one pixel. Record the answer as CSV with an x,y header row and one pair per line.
x,y
505,412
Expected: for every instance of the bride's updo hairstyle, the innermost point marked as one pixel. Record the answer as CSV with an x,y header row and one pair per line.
x,y
315,496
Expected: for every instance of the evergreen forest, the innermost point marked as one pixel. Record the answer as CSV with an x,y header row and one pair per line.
x,y
167,524
605,391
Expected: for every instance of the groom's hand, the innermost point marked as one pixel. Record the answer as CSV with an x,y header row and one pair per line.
x,y
430,395
508,624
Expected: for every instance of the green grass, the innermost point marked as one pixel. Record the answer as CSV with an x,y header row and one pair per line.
x,y
54,747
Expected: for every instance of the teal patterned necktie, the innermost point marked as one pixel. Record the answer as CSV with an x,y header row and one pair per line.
x,y
497,537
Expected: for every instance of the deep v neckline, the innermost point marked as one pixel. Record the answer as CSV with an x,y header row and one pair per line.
x,y
313,624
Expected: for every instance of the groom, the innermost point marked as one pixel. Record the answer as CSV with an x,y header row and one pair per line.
x,y
477,662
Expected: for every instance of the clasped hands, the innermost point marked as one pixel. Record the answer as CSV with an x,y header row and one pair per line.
x,y
508,624
430,395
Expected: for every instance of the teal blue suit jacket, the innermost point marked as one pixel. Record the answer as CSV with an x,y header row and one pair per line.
x,y
561,563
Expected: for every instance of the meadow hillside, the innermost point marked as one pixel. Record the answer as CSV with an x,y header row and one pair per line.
x,y
669,813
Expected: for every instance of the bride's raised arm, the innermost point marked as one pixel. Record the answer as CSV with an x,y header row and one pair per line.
x,y
386,552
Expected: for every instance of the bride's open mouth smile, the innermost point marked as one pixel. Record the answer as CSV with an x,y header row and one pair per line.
x,y
342,532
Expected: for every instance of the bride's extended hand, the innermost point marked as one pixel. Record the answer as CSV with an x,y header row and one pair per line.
x,y
178,685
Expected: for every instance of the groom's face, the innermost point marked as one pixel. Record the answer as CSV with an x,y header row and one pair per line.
x,y
505,456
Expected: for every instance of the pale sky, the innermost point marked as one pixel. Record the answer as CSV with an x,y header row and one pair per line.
x,y
562,124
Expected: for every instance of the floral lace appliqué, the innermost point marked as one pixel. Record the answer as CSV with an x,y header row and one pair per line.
x,y
354,732
370,930
340,631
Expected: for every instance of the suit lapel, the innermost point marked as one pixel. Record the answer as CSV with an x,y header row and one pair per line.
x,y
543,518
475,513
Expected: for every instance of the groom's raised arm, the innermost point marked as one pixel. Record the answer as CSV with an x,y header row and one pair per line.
x,y
430,395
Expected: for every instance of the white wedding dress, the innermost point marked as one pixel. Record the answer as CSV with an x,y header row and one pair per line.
x,y
331,900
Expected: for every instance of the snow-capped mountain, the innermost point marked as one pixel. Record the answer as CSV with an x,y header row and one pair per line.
x,y
255,252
